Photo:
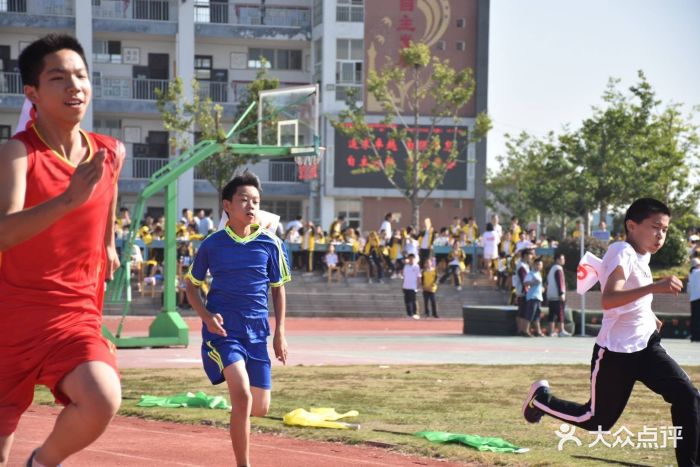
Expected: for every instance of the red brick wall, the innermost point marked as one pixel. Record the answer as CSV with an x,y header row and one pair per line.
x,y
374,209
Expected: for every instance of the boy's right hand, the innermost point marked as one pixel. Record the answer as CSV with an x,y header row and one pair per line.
x,y
214,323
84,179
670,284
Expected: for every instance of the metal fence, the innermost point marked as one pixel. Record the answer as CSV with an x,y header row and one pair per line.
x,y
45,8
251,15
128,88
11,83
283,171
149,10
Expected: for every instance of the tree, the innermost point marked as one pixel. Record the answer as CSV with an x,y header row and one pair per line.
x,y
201,119
433,89
630,147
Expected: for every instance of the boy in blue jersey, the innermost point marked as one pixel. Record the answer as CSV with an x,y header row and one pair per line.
x,y
243,259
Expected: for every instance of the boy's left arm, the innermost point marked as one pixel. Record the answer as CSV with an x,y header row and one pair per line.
x,y
279,342
112,256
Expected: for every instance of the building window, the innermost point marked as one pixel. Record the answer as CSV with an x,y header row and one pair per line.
x,y
318,12
4,133
461,46
277,59
202,67
107,51
352,210
286,209
441,45
348,67
350,11
107,126
460,23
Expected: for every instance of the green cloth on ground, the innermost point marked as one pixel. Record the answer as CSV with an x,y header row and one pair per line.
x,y
475,441
200,400
320,417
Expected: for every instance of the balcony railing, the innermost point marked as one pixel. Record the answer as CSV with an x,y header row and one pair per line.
x,y
11,83
128,88
251,15
347,13
141,168
283,171
149,10
216,91
31,8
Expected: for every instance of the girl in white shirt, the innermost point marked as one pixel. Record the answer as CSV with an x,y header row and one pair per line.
x,y
628,347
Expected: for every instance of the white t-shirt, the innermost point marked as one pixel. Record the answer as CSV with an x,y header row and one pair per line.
x,y
490,239
694,285
498,228
331,259
294,224
386,227
552,289
627,328
425,239
411,246
411,276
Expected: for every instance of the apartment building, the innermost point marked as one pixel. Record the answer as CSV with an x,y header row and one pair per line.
x,y
137,46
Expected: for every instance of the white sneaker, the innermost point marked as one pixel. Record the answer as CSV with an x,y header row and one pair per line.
x,y
563,333
416,316
459,287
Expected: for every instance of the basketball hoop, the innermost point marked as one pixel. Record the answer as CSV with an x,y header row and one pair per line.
x,y
307,165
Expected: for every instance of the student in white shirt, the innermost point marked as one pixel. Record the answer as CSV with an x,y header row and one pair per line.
x,y
628,347
411,282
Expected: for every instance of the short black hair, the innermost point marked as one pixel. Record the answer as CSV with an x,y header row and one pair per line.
x,y
388,216
643,208
489,227
411,255
31,60
526,251
246,178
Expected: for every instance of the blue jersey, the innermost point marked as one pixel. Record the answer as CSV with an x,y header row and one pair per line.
x,y
242,269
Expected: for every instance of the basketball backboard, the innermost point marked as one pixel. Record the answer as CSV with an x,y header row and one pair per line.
x,y
289,117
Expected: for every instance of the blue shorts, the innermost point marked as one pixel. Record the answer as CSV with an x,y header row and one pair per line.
x,y
219,353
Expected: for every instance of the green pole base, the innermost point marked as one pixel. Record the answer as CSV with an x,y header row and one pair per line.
x,y
167,330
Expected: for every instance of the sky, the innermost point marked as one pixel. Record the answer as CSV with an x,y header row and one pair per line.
x,y
550,60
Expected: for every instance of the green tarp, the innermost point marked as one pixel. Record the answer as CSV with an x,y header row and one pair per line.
x,y
475,441
200,400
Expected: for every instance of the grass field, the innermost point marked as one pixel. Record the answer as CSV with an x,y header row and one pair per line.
x,y
471,399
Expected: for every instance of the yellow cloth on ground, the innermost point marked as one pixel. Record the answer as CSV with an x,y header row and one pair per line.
x,y
320,417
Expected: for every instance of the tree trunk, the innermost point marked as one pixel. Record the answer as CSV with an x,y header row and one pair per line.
x,y
586,222
415,211
563,226
416,161
603,212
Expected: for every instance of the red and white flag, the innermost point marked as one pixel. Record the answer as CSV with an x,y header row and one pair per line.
x,y
26,117
589,271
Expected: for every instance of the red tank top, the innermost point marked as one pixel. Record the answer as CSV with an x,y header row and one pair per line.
x,y
61,268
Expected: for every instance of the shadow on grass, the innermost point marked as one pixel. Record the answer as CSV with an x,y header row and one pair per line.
x,y
610,461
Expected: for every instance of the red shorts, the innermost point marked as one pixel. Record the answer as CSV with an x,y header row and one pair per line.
x,y
46,361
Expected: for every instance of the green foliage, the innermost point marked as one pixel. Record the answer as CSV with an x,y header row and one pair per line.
x,y
674,252
571,248
630,147
422,80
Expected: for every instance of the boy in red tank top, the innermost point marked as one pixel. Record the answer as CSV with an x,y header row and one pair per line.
x,y
56,180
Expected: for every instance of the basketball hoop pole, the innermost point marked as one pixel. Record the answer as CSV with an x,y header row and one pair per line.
x,y
169,329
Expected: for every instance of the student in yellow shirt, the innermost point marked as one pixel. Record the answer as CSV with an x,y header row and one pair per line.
x,y
515,230
429,282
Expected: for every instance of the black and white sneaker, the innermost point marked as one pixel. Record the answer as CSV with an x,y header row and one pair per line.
x,y
531,413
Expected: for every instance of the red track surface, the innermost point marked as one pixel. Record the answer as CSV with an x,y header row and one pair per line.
x,y
135,442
